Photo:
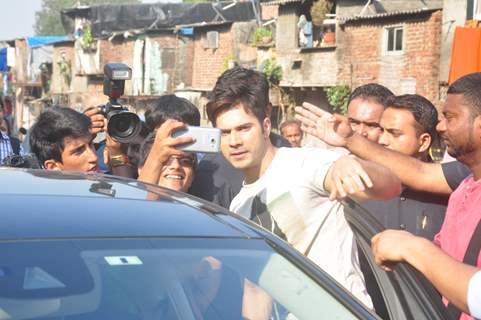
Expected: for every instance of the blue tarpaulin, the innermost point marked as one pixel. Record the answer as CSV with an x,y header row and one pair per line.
x,y
43,40
3,59
187,31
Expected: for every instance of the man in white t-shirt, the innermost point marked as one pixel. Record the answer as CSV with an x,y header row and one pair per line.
x,y
287,191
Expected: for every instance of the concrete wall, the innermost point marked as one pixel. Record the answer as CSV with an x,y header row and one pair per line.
x,y
454,14
315,67
286,30
312,68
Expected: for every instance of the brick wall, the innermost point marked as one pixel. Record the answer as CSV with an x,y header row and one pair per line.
x,y
362,58
208,63
176,53
423,54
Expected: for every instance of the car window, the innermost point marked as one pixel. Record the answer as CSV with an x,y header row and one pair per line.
x,y
157,279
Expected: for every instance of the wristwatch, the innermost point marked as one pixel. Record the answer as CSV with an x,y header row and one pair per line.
x,y
118,160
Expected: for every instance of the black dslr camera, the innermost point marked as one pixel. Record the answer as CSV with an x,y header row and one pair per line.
x,y
122,125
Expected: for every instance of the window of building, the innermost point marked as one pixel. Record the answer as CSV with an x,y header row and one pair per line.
x,y
394,39
211,40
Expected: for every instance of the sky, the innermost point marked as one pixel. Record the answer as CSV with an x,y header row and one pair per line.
x,y
19,16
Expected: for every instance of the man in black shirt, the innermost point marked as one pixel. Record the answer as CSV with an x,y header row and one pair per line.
x,y
409,126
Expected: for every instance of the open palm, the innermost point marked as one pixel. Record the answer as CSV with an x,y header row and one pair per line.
x,y
332,129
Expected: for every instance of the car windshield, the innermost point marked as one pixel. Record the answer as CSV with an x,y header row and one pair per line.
x,y
176,278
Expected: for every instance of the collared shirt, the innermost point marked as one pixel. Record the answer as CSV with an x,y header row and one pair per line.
x,y
462,217
6,147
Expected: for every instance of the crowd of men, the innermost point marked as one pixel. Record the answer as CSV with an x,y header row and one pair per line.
x,y
379,155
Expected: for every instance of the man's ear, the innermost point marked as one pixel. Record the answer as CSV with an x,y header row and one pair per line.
x,y
267,126
477,124
51,164
425,140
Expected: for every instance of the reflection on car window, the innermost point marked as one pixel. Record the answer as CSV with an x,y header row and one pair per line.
x,y
158,279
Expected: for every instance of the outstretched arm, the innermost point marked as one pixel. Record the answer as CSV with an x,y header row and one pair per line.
x,y
335,130
361,180
449,276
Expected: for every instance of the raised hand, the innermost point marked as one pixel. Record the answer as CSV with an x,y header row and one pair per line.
x,y
97,119
333,129
165,145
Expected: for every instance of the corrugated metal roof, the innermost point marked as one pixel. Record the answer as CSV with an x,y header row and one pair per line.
x,y
385,15
278,2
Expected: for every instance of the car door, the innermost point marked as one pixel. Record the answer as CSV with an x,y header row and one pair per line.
x,y
406,294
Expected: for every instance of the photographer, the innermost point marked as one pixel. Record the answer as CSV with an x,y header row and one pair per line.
x,y
114,153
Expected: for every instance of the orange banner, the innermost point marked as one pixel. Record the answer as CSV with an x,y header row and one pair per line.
x,y
466,53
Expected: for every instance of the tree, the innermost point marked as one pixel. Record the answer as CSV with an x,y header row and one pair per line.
x,y
47,20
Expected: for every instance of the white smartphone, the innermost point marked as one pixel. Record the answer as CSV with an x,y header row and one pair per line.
x,y
207,139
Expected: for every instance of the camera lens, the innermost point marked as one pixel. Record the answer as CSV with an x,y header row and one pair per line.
x,y
124,126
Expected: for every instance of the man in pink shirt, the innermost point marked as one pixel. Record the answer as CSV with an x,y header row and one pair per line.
x,y
460,128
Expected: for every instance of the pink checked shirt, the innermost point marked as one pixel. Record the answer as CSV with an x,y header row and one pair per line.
x,y
462,217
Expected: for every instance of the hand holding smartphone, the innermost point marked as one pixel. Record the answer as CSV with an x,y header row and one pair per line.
x,y
207,140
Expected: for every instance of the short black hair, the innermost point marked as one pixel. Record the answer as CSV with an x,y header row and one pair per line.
x,y
240,86
372,92
423,111
171,107
470,87
47,135
147,146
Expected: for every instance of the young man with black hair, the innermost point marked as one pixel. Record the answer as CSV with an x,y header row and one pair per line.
x,y
286,189
409,126
171,107
61,140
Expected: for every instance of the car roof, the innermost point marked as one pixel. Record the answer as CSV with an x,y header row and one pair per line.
x,y
40,204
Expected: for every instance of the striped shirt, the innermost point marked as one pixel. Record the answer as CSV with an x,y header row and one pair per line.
x,y
6,147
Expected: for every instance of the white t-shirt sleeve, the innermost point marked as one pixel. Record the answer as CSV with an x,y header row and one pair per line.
x,y
474,295
317,163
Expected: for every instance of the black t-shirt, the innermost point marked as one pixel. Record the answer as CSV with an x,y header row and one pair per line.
x,y
455,172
